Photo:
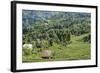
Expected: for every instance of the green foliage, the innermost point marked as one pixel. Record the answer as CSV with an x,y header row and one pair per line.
x,y
87,38
51,42
77,50
66,34
27,51
38,43
45,44
46,25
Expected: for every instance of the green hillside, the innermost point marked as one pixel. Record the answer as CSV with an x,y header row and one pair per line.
x,y
66,34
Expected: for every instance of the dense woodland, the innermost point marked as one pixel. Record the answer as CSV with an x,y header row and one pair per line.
x,y
56,31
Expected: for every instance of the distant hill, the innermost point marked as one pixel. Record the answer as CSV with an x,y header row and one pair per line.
x,y
33,17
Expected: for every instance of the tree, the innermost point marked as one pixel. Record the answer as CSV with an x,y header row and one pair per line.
x,y
38,43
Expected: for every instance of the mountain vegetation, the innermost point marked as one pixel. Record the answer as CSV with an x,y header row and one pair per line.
x,y
66,34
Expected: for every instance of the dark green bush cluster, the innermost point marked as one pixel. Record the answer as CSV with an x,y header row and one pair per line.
x,y
87,38
26,51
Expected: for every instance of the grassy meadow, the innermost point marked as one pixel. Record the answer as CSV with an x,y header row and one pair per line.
x,y
77,50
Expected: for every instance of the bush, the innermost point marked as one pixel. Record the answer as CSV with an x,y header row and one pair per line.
x,y
87,38
38,43
27,51
44,44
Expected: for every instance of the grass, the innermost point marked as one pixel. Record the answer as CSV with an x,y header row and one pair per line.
x,y
76,50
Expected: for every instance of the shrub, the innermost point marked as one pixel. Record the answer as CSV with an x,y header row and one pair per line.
x,y
27,51
87,38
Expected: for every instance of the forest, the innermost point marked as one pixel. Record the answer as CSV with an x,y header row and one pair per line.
x,y
56,35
